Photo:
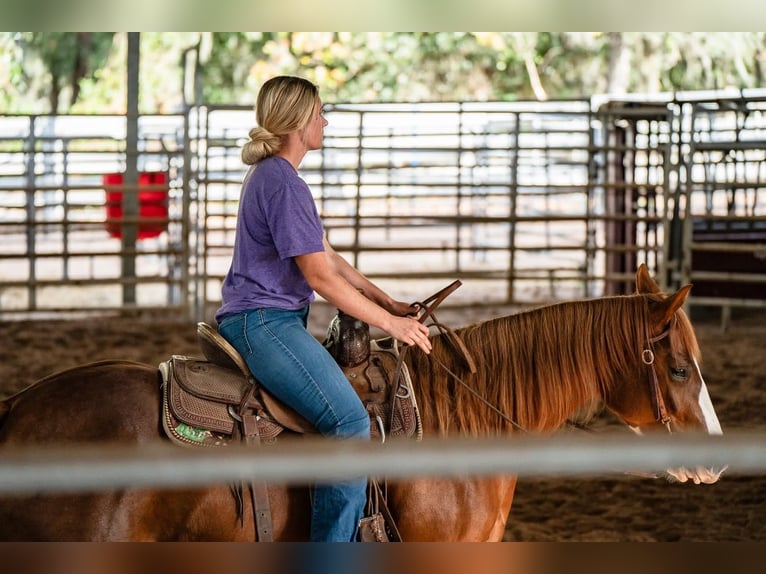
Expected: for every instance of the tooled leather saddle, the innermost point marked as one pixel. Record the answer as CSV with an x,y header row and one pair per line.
x,y
214,401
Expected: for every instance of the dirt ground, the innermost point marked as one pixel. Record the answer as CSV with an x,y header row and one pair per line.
x,y
623,509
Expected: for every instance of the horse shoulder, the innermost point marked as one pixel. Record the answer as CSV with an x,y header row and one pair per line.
x,y
452,510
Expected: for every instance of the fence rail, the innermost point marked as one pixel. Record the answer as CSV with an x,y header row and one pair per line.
x,y
30,470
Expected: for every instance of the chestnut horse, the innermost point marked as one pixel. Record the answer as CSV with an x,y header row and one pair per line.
x,y
637,354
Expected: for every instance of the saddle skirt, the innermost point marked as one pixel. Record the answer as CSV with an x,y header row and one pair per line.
x,y
207,401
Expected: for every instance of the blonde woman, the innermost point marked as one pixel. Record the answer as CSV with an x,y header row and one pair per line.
x,y
281,258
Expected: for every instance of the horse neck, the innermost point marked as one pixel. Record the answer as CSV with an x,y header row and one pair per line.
x,y
536,367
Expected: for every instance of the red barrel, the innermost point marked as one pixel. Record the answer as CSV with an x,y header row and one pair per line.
x,y
152,203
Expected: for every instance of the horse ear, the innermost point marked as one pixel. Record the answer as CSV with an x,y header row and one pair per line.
x,y
644,282
674,303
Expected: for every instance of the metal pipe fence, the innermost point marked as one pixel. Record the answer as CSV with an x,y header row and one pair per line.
x,y
527,202
303,461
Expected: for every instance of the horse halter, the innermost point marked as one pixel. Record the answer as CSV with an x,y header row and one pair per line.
x,y
658,402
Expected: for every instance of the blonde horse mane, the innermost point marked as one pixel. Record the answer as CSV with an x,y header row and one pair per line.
x,y
536,367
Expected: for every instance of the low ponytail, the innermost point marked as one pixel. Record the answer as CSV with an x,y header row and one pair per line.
x,y
262,144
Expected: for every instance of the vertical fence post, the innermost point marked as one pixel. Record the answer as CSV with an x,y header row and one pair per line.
x,y
130,189
31,229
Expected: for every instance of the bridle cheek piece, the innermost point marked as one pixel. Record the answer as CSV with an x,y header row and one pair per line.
x,y
658,402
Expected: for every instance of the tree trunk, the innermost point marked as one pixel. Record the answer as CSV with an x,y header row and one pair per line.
x,y
618,74
80,68
55,94
525,44
651,65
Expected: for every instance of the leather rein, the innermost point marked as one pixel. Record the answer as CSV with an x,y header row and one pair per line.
x,y
429,305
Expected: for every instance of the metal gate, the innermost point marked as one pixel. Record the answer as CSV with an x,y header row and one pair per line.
x,y
62,222
526,202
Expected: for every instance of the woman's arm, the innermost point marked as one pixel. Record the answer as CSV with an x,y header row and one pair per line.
x,y
343,268
339,283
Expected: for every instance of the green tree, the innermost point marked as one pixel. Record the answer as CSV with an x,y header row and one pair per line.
x,y
68,58
86,71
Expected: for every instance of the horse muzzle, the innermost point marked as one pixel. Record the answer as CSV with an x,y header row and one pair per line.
x,y
698,475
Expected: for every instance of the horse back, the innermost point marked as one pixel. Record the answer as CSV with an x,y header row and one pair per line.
x,y
106,401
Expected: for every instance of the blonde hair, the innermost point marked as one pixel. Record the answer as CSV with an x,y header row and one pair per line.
x,y
285,104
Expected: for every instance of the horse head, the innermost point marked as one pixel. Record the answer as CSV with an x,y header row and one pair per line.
x,y
672,393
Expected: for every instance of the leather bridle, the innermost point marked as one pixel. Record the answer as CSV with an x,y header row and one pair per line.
x,y
648,358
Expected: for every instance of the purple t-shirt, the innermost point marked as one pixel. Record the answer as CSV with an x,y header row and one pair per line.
x,y
277,220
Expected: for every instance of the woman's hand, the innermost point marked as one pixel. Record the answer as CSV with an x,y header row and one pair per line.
x,y
402,309
410,332
414,332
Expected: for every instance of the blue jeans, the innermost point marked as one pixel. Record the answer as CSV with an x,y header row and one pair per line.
x,y
294,367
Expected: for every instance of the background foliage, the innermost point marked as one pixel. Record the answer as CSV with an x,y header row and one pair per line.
x,y
61,72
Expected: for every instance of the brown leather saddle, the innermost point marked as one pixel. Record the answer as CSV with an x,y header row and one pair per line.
x,y
207,401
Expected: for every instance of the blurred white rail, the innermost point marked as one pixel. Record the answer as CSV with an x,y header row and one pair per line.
x,y
97,468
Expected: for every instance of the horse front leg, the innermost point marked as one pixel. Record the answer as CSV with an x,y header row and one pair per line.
x,y
452,510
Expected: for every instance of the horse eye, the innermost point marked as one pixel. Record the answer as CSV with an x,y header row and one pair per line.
x,y
680,373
